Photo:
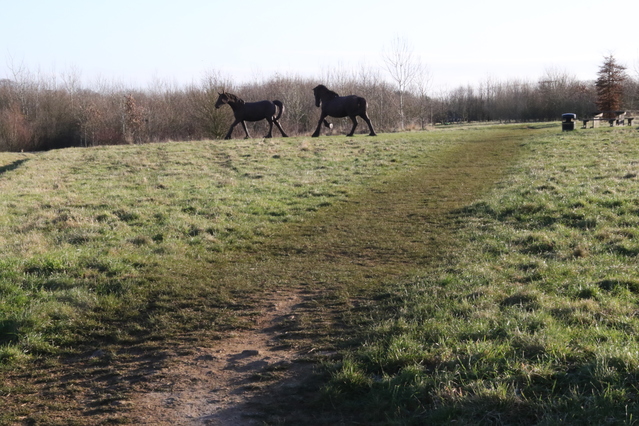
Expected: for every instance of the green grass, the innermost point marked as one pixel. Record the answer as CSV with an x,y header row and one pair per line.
x,y
136,249
94,240
533,320
104,243
477,275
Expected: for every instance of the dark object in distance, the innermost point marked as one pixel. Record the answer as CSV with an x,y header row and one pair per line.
x,y
568,121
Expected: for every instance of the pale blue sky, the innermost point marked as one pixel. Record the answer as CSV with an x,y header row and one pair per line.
x,y
139,42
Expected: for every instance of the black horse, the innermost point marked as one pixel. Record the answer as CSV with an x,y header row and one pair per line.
x,y
252,111
335,105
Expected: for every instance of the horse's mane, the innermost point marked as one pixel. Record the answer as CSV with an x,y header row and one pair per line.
x,y
328,91
233,98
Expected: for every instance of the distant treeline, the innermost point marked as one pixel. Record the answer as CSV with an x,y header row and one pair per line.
x,y
39,113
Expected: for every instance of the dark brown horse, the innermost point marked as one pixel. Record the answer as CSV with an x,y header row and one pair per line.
x,y
252,111
335,105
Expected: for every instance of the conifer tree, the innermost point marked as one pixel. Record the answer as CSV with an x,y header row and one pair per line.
x,y
609,84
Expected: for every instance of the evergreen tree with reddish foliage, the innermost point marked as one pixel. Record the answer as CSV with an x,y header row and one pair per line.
x,y
609,84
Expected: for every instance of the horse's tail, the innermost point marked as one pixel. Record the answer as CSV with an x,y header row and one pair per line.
x,y
280,107
361,104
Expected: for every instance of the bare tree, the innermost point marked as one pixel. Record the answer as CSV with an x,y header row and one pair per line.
x,y
404,68
421,87
213,122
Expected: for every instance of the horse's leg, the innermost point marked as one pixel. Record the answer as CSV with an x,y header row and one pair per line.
x,y
319,126
270,128
327,124
228,135
245,129
354,120
370,125
277,123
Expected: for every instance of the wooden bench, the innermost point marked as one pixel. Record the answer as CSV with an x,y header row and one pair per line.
x,y
593,122
612,121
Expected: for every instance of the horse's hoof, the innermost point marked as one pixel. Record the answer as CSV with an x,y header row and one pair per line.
x,y
372,134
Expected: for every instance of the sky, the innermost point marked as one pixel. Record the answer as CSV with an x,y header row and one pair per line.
x,y
141,43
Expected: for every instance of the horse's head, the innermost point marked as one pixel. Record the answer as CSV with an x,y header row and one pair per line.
x,y
222,99
323,94
227,98
318,91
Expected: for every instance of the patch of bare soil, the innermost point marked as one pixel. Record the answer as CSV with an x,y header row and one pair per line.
x,y
231,383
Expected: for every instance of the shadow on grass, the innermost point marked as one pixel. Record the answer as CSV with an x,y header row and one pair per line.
x,y
12,166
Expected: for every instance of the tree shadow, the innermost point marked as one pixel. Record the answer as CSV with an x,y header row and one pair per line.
x,y
12,166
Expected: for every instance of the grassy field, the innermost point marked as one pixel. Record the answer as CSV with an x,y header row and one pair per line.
x,y
94,239
533,320
479,275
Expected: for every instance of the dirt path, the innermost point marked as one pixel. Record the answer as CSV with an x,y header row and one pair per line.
x,y
384,234
216,385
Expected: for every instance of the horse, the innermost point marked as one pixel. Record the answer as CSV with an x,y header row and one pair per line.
x,y
335,105
252,111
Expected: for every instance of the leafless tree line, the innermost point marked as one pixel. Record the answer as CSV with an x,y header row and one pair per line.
x,y
46,112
